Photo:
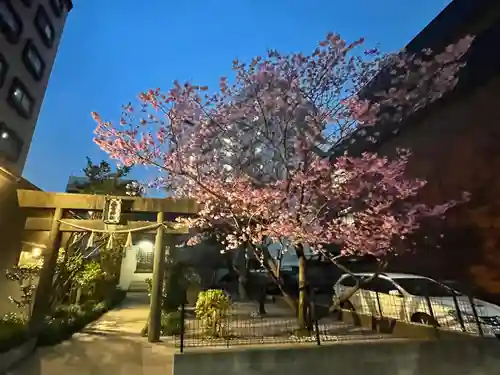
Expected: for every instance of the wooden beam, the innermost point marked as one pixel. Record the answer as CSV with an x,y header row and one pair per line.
x,y
68,201
44,224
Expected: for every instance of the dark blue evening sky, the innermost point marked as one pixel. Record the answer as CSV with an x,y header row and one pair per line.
x,y
113,49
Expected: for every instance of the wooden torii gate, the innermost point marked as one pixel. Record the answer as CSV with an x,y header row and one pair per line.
x,y
115,210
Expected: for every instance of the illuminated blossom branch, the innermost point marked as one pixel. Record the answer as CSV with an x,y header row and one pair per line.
x,y
249,152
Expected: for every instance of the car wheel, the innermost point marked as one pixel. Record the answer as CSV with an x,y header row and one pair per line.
x,y
424,319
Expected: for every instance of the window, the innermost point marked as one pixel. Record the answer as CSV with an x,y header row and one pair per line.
x,y
380,285
57,7
20,99
11,25
3,69
44,27
33,60
10,144
348,281
144,261
425,287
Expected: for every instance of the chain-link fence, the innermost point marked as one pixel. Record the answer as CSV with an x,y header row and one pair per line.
x,y
429,303
243,325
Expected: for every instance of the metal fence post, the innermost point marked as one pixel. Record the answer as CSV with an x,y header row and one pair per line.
x,y
183,317
227,325
459,313
476,317
431,311
314,317
378,305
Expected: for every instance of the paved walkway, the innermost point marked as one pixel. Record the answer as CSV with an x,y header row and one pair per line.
x,y
110,346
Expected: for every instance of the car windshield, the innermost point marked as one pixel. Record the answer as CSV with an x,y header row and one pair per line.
x,y
424,287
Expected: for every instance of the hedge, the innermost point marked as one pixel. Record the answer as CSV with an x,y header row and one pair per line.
x,y
65,321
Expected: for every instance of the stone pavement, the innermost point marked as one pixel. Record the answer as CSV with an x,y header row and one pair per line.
x,y
110,346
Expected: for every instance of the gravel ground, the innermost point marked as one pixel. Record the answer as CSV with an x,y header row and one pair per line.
x,y
277,326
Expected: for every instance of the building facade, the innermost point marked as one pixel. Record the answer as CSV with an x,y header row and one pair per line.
x,y
30,32
455,147
137,262
15,240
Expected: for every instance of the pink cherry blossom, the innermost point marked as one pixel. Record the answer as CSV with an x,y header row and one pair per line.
x,y
249,153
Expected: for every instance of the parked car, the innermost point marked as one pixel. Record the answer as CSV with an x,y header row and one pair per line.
x,y
419,299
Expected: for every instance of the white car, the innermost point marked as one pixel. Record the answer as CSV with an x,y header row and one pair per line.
x,y
404,297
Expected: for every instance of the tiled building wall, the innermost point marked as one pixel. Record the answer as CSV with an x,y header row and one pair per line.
x,y
31,19
457,148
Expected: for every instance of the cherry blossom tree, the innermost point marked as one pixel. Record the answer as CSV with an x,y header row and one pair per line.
x,y
253,152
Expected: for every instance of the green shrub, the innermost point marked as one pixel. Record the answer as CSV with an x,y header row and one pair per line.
x,y
212,309
101,307
116,297
173,294
69,319
13,331
56,330
90,273
25,276
178,278
89,304
170,324
64,321
149,283
68,312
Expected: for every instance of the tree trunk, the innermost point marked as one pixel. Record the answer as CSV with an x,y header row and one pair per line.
x,y
262,308
290,301
302,305
78,296
238,265
242,293
262,300
243,275
273,270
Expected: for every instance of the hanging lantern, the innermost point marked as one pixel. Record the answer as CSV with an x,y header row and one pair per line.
x,y
128,243
90,241
110,244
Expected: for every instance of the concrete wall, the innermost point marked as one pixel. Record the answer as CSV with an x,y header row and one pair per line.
x,y
128,267
477,356
12,220
204,260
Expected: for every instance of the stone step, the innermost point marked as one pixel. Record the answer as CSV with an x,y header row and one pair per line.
x,y
138,286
